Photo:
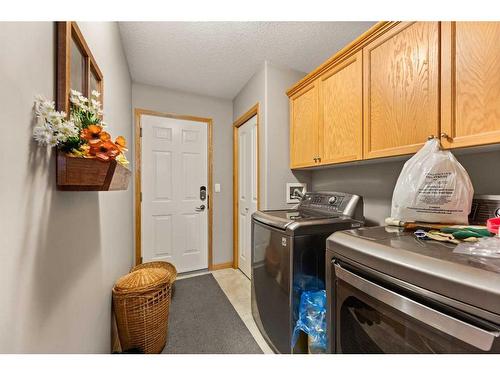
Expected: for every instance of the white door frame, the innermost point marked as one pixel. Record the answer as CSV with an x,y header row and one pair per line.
x,y
254,111
137,186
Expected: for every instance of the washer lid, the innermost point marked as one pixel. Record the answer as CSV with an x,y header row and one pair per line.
x,y
431,265
284,218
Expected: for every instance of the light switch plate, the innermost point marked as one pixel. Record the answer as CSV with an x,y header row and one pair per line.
x,y
217,188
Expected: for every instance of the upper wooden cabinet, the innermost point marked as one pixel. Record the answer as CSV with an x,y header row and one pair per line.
x,y
341,112
470,83
327,117
393,87
401,89
304,129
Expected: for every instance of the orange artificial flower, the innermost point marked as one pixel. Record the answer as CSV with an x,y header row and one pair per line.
x,y
94,134
104,151
100,145
104,136
121,143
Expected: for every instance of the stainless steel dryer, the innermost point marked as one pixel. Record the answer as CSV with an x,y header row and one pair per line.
x,y
288,257
389,292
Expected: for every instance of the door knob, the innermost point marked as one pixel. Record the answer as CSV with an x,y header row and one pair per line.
x,y
201,208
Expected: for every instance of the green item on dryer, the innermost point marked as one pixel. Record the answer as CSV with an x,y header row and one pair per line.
x,y
463,234
478,232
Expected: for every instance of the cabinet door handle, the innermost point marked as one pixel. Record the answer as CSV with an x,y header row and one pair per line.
x,y
429,137
446,136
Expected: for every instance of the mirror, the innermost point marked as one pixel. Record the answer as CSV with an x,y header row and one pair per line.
x,y
76,66
93,82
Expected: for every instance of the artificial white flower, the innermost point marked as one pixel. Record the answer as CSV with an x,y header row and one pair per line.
x,y
77,99
94,103
95,93
43,107
53,141
66,130
54,118
43,135
52,127
74,99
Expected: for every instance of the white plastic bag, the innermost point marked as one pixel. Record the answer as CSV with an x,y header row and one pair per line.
x,y
486,247
433,187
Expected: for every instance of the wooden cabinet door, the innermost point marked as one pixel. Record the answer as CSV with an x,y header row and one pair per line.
x,y
470,83
341,112
304,127
401,89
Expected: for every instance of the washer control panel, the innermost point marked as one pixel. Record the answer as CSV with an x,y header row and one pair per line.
x,y
332,200
328,202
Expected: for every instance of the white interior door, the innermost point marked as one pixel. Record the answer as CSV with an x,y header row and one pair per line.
x,y
247,191
174,168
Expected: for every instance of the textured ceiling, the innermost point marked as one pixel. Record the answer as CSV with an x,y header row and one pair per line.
x,y
218,58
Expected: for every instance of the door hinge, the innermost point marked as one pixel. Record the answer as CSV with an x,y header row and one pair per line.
x,y
141,195
140,132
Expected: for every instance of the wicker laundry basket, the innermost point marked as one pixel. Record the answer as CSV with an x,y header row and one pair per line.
x,y
141,302
165,265
159,264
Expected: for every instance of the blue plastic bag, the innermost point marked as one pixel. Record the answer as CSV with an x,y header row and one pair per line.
x,y
301,284
312,319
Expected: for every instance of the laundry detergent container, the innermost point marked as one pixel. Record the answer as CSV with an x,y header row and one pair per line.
x,y
141,302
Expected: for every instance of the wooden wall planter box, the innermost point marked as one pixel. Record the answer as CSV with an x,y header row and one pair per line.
x,y
81,174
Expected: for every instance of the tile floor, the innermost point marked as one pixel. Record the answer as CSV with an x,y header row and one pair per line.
x,y
237,286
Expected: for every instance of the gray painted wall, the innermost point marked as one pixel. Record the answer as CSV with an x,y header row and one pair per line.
x,y
375,180
252,93
279,80
60,251
221,111
267,87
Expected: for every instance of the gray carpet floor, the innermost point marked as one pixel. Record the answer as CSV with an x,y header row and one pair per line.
x,y
202,320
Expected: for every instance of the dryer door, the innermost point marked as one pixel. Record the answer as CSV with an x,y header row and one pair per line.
x,y
372,318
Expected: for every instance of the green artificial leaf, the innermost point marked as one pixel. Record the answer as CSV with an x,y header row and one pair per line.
x,y
72,144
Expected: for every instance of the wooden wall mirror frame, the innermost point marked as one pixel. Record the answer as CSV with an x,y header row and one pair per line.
x,y
77,69
70,37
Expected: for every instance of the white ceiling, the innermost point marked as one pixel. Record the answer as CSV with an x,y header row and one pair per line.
x,y
218,58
